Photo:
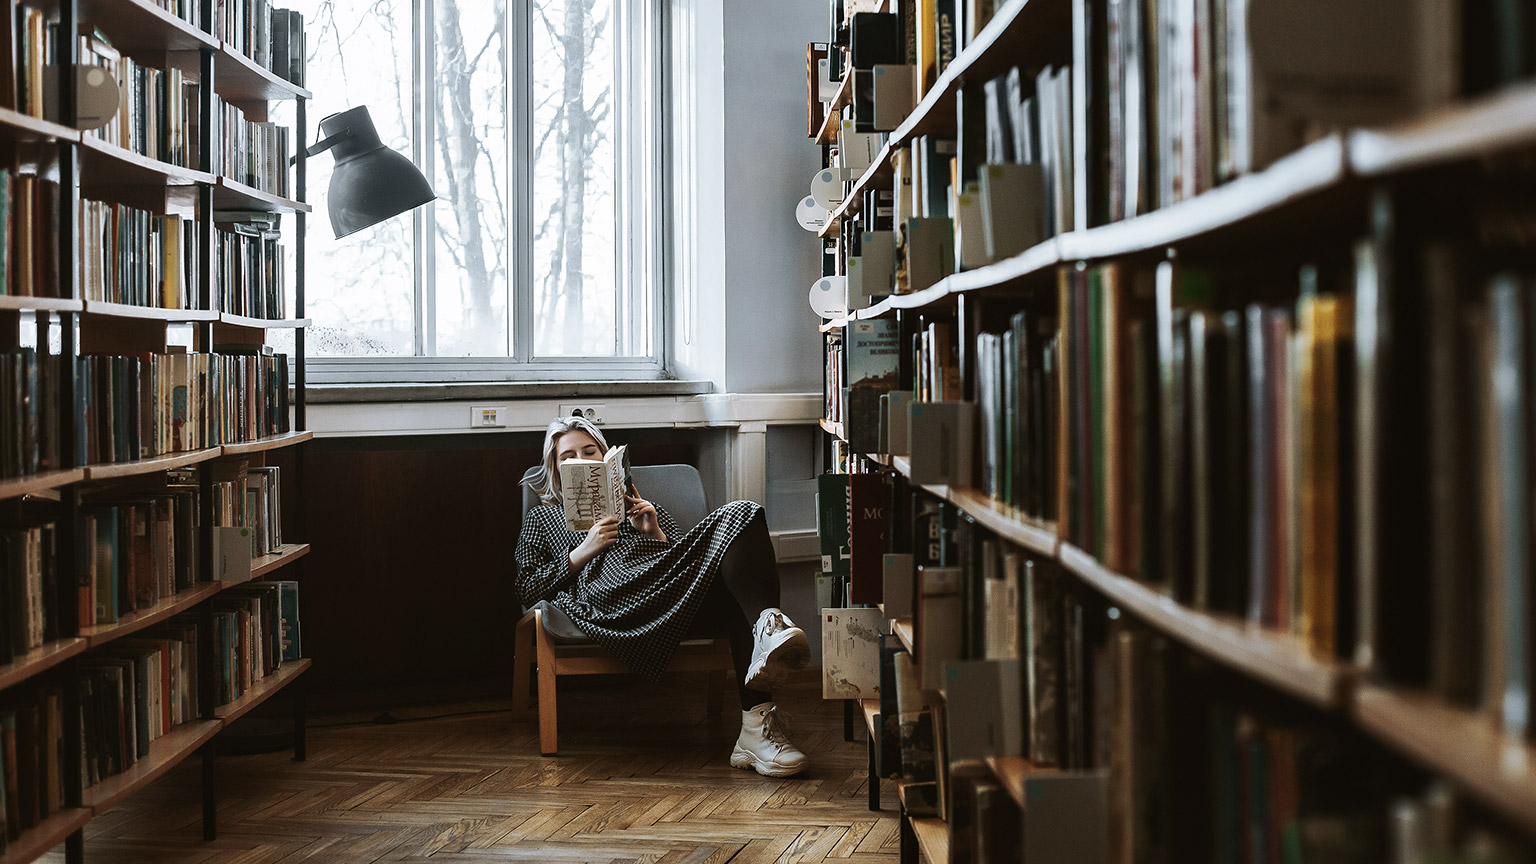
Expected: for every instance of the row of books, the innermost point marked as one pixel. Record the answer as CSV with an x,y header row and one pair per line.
x,y
135,552
25,50
29,415
158,109
31,242
255,153
138,407
29,582
31,759
250,270
272,37
133,693
249,496
256,630
133,256
1018,396
1011,657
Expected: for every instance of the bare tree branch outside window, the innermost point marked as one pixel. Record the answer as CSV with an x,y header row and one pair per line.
x,y
363,291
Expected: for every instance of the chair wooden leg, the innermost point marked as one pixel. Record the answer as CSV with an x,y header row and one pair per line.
x,y
523,655
548,743
715,698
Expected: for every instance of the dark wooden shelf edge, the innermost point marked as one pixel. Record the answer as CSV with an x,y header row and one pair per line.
x,y
870,708
45,835
1462,746
262,690
15,487
288,439
39,660
932,839
289,553
1037,537
164,754
1012,771
1270,657
101,634
115,470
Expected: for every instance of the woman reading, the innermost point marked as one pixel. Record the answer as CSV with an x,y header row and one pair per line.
x,y
637,586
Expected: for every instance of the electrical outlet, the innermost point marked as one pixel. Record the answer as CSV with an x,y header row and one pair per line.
x,y
593,413
488,416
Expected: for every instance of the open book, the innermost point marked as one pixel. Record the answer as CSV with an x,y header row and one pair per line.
x,y
593,489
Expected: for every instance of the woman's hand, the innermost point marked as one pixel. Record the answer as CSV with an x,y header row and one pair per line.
x,y
642,515
600,536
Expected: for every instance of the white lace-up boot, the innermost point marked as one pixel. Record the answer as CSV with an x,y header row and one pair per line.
x,y
778,648
764,745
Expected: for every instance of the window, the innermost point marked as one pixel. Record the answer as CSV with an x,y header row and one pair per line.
x,y
538,124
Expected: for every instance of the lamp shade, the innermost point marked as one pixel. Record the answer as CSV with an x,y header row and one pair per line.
x,y
371,183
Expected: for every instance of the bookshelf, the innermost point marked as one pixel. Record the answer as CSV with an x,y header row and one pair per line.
x,y
98,453
1128,296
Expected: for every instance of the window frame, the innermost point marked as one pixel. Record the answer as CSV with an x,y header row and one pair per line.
x,y
643,255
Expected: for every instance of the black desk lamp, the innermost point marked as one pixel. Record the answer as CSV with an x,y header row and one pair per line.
x,y
371,183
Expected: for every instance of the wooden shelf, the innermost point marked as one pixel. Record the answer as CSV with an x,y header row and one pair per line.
x,y
105,165
128,310
129,622
1000,519
240,79
871,710
164,754
40,659
831,428
932,839
902,627
1307,172
31,484
276,443
1464,747
1503,121
265,323
285,555
263,690
137,25
37,840
1278,659
115,470
233,195
10,303
1020,28
16,126
1011,771
827,134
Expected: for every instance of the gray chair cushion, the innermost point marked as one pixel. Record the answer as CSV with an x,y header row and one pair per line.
x,y
678,489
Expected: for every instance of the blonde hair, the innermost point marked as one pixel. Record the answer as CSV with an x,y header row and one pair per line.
x,y
545,481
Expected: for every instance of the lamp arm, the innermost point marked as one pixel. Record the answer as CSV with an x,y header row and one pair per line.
x,y
322,145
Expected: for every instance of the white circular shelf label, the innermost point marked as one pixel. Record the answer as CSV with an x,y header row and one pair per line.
x,y
829,296
811,215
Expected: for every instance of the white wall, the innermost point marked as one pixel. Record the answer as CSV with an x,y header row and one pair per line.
x,y
746,324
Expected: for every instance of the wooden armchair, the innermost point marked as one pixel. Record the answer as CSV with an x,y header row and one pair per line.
x,y
548,642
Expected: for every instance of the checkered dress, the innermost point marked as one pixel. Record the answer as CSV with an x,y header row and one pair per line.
x,y
639,597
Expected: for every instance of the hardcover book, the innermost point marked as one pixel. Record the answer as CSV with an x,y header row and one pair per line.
x,y
594,489
873,355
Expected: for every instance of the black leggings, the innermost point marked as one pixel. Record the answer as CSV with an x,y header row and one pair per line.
x,y
746,584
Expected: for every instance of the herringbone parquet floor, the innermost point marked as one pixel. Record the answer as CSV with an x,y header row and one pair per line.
x,y
642,777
